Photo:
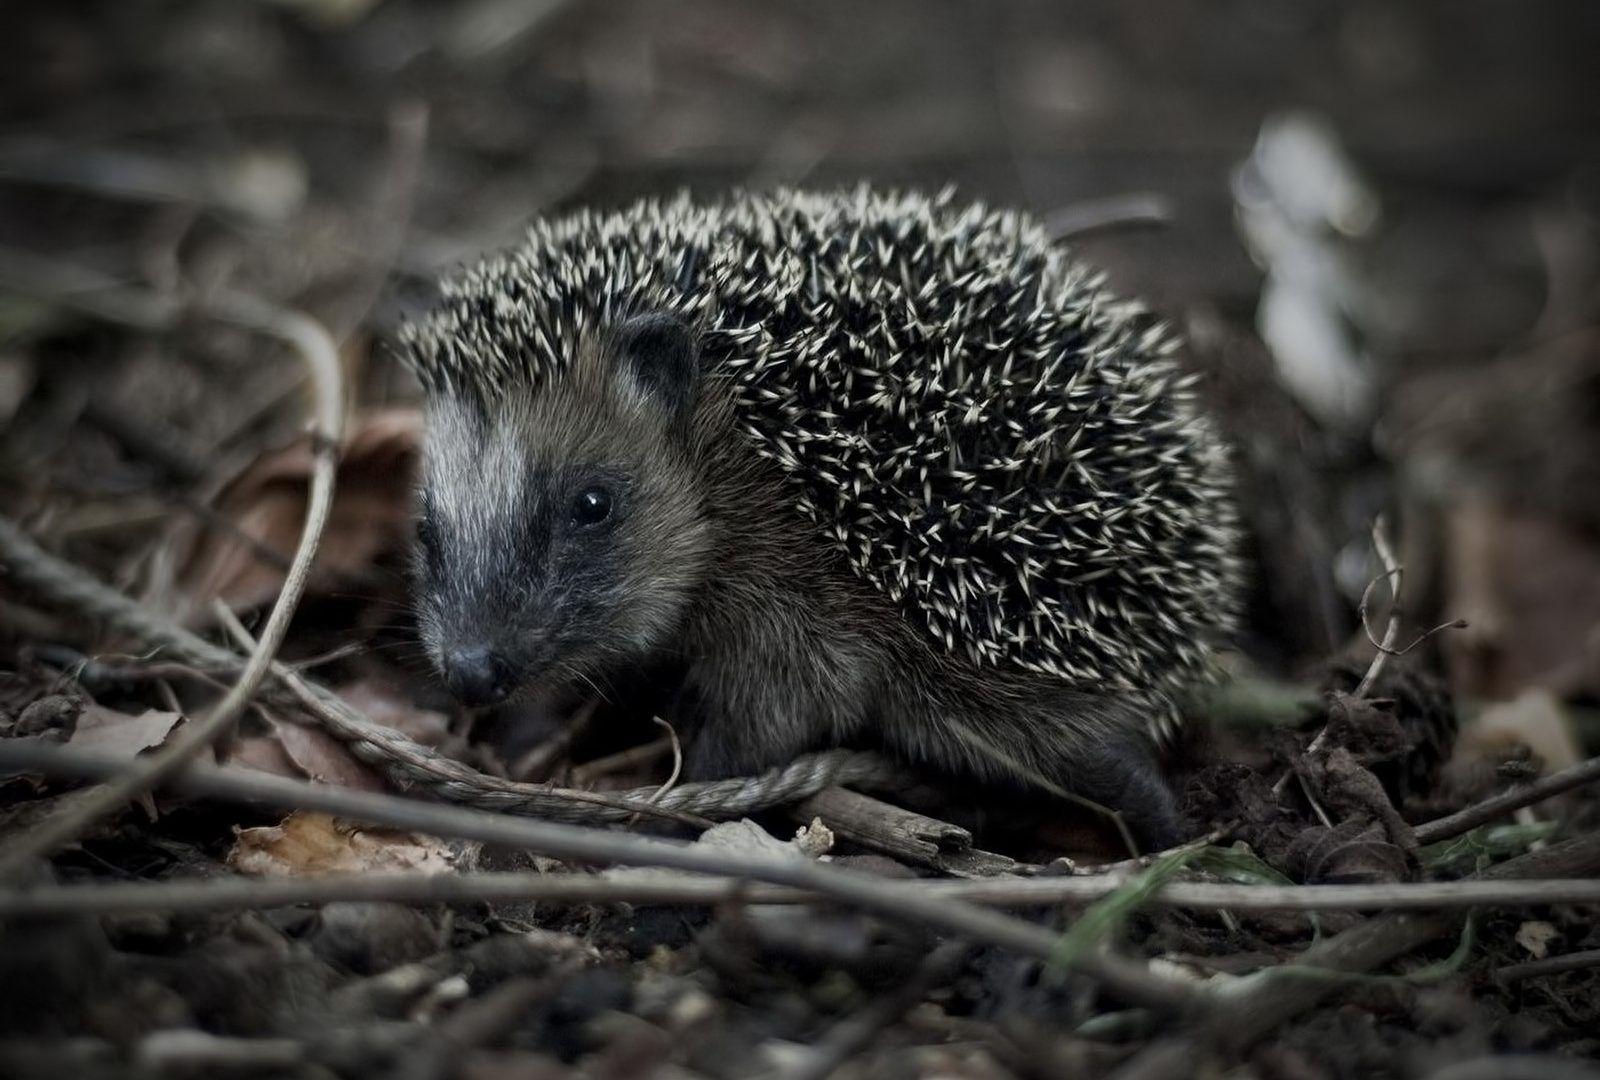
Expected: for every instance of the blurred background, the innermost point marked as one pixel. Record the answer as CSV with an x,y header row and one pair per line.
x,y
1375,224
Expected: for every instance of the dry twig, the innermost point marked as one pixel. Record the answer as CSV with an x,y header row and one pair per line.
x,y
1549,965
899,900
1394,573
670,890
1499,805
1269,1000
902,834
321,358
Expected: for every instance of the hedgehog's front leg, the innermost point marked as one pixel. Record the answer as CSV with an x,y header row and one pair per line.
x,y
766,693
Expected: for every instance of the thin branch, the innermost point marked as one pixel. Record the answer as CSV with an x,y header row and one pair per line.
x,y
338,719
1482,813
1386,648
590,771
1255,1007
677,759
539,761
898,900
1395,574
321,358
693,890
87,291
192,1052
1549,965
1515,1067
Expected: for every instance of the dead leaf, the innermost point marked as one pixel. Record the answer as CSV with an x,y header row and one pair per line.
x,y
1533,732
1535,935
121,733
1536,720
266,504
1528,586
383,704
263,753
1353,851
321,757
311,843
303,752
1355,797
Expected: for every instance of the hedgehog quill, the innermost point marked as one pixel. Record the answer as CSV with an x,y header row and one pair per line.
x,y
874,469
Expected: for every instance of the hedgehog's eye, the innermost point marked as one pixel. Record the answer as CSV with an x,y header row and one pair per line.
x,y
592,506
428,539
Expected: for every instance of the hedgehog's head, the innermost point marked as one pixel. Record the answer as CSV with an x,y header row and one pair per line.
x,y
562,527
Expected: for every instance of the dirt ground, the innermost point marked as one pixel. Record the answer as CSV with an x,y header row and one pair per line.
x,y
1377,228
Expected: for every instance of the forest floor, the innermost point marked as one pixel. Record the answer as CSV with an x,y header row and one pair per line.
x,y
1376,229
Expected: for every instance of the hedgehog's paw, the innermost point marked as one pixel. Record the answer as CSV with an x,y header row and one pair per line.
x,y
1124,776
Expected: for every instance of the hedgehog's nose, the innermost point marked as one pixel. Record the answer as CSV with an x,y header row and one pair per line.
x,y
476,675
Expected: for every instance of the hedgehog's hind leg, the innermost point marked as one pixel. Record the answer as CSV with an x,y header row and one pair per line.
x,y
1123,775
1045,737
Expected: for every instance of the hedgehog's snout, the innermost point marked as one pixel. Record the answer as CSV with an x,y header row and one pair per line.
x,y
477,675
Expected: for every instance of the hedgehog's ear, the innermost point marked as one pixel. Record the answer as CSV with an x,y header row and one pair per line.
x,y
656,355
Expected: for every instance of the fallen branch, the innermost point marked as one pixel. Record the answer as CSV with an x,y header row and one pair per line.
x,y
1275,996
632,757
234,894
1549,965
900,833
1251,1009
321,358
668,890
1497,806
897,900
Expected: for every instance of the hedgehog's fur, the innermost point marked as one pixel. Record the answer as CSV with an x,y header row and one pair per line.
x,y
981,433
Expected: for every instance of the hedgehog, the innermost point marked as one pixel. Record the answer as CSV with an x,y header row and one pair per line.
x,y
862,469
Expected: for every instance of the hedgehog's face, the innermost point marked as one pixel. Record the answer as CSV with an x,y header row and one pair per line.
x,y
561,529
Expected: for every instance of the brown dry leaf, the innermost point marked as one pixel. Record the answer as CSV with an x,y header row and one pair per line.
x,y
321,757
124,734
1528,586
312,843
1535,935
263,753
303,752
1536,720
383,704
1533,731
371,516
